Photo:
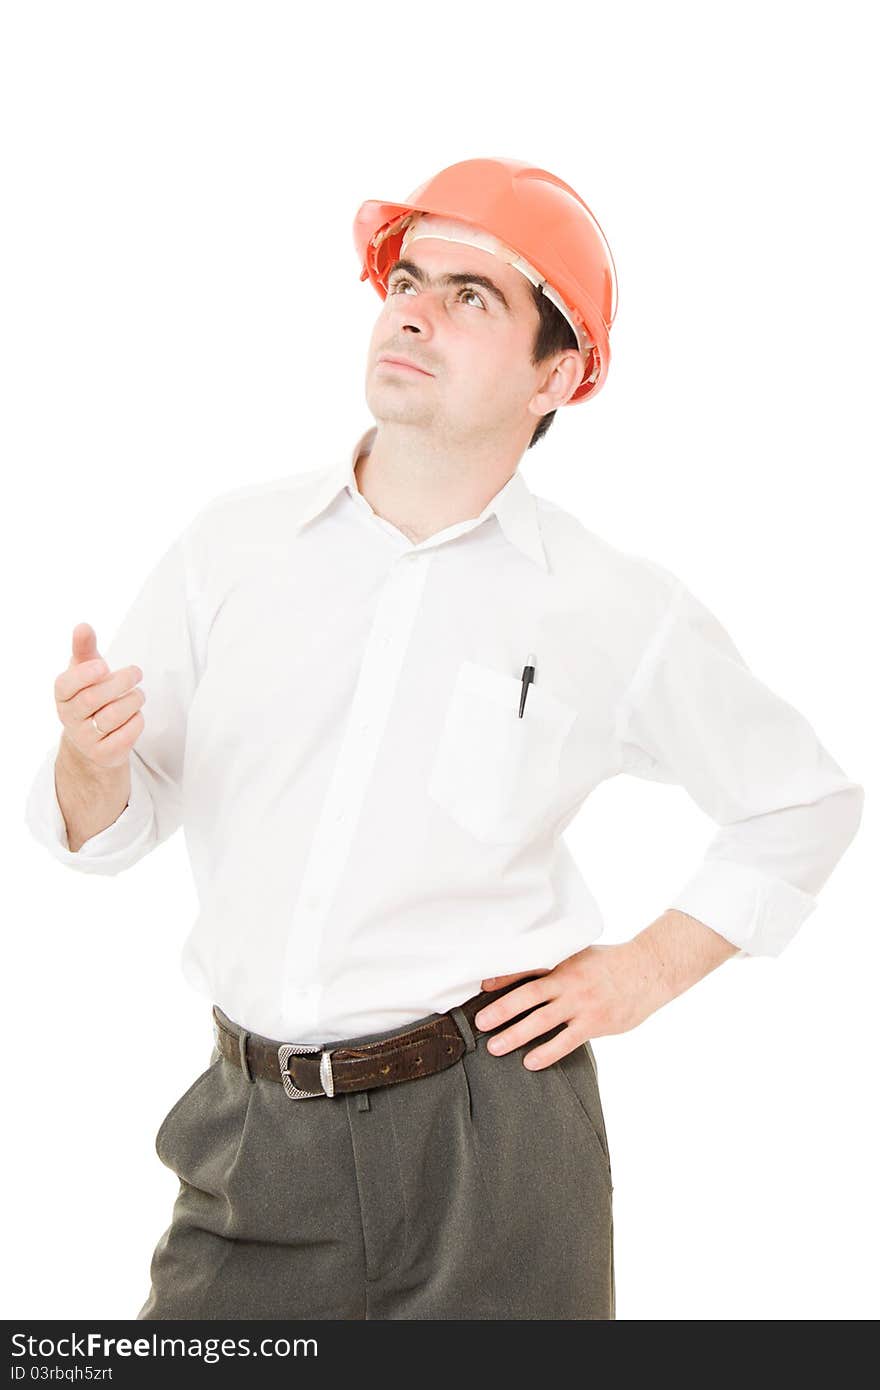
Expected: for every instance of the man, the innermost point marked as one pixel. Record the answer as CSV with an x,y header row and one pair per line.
x,y
376,695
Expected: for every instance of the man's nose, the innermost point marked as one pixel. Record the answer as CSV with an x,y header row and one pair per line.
x,y
417,315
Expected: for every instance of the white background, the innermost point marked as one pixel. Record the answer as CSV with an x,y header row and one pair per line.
x,y
182,314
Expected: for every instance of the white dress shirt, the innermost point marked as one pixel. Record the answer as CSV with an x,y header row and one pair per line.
x,y
332,715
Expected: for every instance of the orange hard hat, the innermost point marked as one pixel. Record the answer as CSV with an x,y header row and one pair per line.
x,y
540,218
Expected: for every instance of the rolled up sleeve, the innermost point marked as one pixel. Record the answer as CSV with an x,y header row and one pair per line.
x,y
129,837
694,714
156,634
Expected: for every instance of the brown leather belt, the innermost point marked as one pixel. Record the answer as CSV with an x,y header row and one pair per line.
x,y
313,1069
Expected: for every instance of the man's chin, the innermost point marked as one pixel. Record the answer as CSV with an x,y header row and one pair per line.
x,y
385,405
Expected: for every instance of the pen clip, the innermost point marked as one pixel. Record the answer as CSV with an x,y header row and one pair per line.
x,y
528,676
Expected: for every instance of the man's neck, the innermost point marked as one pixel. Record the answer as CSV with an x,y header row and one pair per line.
x,y
425,487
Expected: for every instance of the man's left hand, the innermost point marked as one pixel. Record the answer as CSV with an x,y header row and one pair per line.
x,y
603,989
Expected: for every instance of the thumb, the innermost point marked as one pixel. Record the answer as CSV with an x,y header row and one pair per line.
x,y
85,646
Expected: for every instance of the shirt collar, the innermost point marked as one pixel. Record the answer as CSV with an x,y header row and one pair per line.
x,y
513,505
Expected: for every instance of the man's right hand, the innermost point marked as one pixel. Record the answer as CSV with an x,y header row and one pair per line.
x,y
89,689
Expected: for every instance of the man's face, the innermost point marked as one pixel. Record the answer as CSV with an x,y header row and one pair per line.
x,y
476,346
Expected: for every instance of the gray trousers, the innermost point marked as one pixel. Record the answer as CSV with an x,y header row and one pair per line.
x,y
481,1191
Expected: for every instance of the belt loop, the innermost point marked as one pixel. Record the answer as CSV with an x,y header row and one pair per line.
x,y
242,1052
464,1028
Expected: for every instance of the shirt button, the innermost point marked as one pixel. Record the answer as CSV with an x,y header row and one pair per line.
x,y
312,901
340,815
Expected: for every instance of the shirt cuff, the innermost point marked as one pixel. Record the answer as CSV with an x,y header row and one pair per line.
x,y
116,847
754,911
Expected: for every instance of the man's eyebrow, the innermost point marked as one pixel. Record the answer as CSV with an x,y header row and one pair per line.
x,y
457,278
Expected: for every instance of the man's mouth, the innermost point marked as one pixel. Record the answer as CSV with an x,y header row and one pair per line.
x,y
402,365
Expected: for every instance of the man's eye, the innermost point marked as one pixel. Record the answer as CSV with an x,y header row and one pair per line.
x,y
465,289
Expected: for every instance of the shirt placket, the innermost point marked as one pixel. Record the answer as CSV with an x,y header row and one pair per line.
x,y
378,678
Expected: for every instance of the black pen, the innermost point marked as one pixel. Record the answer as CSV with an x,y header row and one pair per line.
x,y
527,676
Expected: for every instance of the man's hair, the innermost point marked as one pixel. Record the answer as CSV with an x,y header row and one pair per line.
x,y
553,335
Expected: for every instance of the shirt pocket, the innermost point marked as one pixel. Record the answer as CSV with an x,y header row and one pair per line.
x,y
495,774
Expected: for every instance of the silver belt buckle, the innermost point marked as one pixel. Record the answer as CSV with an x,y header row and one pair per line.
x,y
286,1051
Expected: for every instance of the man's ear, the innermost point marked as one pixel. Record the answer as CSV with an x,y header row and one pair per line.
x,y
561,379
